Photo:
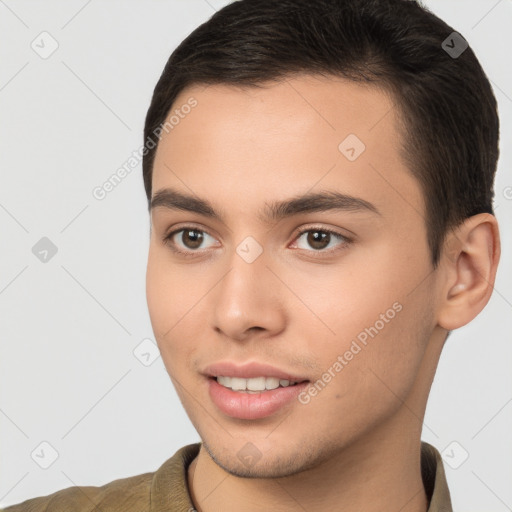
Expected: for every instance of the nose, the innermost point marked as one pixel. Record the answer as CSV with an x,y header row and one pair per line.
x,y
249,300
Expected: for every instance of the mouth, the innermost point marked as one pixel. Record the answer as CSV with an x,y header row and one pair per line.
x,y
250,398
252,390
255,385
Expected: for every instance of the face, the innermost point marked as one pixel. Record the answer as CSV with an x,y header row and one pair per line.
x,y
338,294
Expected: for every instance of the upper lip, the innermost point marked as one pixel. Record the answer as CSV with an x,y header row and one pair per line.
x,y
249,370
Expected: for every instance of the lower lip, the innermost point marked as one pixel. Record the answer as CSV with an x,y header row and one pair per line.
x,y
251,406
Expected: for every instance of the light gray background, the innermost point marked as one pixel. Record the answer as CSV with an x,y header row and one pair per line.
x,y
69,327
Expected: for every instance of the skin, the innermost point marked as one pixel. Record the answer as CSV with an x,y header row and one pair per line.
x,y
356,444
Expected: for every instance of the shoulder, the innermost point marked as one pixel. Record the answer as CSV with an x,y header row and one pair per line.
x,y
125,494
139,493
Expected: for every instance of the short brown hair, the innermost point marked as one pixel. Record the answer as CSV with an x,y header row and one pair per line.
x,y
449,113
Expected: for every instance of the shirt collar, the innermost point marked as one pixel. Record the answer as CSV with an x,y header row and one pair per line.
x,y
434,479
169,490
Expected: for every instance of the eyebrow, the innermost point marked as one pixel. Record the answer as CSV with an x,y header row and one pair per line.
x,y
308,203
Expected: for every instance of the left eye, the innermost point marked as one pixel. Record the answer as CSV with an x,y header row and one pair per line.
x,y
319,239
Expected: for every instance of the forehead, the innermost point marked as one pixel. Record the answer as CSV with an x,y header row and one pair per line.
x,y
244,144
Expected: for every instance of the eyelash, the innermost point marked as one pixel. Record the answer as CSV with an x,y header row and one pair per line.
x,y
190,254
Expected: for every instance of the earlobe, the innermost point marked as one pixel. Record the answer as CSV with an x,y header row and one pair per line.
x,y
470,259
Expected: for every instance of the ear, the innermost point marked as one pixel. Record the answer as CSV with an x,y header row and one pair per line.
x,y
469,259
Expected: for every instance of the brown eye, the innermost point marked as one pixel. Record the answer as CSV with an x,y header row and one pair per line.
x,y
192,238
320,239
188,241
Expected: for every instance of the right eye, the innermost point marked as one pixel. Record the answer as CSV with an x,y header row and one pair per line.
x,y
188,242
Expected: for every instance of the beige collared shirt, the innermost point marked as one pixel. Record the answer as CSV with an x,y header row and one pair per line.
x,y
165,490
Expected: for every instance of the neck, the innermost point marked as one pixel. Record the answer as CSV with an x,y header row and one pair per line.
x,y
375,475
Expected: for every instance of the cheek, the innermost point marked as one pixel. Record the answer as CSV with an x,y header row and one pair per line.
x,y
169,290
372,322
370,367
170,300
157,282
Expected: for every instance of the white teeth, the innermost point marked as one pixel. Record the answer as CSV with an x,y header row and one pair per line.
x,y
271,383
238,384
225,381
253,385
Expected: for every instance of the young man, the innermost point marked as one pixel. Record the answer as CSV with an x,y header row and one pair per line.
x,y
320,183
